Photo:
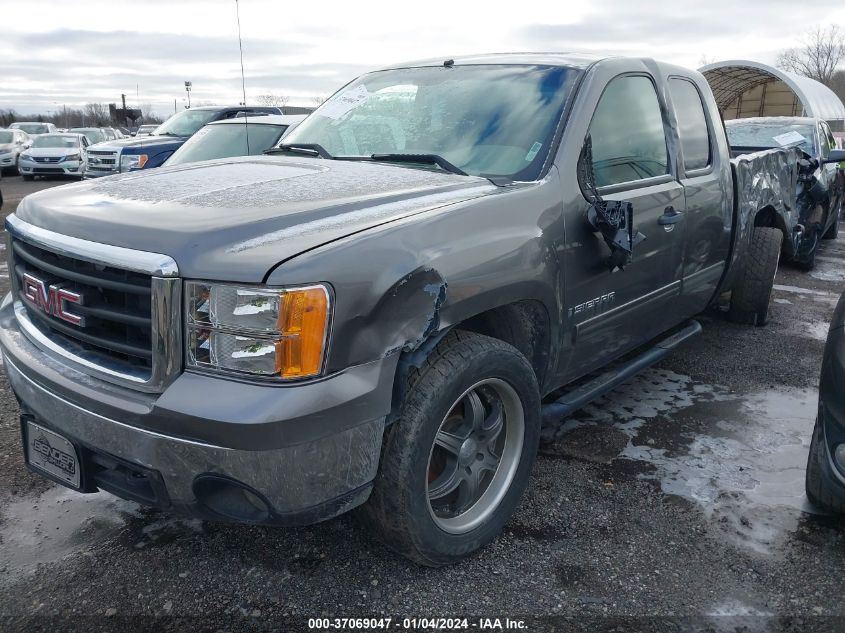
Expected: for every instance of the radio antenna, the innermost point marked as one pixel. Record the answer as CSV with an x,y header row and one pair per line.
x,y
243,81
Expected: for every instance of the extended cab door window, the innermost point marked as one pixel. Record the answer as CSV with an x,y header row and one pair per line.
x,y
629,143
692,124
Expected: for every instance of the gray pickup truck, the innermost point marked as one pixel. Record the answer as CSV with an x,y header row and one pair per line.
x,y
374,314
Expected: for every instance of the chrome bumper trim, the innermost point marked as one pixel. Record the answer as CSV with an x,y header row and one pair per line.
x,y
154,264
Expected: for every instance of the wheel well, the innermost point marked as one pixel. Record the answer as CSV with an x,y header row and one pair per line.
x,y
524,324
769,217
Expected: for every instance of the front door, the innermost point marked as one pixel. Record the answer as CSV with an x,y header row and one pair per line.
x,y
611,312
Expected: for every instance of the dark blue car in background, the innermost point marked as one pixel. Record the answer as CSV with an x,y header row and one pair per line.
x,y
120,156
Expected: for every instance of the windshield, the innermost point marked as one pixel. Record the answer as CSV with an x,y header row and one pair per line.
x,y
55,140
185,123
32,128
486,120
93,134
223,140
773,134
6,137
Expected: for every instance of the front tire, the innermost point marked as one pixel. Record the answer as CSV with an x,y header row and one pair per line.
x,y
25,177
752,294
459,456
817,492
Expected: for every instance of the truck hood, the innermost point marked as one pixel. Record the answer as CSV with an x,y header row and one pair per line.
x,y
151,142
235,219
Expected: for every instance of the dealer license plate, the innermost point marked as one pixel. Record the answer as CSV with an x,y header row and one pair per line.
x,y
50,452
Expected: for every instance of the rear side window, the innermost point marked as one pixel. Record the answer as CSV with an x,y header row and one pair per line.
x,y
629,142
692,123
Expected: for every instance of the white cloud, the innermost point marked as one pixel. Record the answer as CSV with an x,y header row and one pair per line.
x,y
56,52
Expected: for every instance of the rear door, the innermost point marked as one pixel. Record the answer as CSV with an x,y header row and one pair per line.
x,y
611,312
708,215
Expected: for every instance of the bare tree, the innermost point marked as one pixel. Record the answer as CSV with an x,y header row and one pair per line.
x,y
705,59
270,99
318,100
148,114
821,51
96,114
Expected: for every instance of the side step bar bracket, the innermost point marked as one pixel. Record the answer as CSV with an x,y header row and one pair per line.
x,y
585,393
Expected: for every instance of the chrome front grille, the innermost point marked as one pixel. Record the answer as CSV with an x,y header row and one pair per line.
x,y
117,304
102,161
122,321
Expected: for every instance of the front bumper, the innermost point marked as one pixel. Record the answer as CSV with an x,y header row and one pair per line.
x,y
308,452
65,168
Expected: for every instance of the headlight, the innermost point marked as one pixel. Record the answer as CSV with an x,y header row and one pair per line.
x,y
133,161
255,330
26,156
72,157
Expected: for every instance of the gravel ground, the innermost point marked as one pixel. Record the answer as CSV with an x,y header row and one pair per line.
x,y
678,495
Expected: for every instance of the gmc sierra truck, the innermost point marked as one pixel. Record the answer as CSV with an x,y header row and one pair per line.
x,y
374,314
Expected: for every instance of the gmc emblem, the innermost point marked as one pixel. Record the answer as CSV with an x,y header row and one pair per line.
x,y
52,299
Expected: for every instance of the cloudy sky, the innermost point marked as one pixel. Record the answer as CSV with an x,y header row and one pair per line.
x,y
71,52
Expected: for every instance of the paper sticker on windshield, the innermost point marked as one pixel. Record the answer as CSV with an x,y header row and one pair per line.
x,y
533,152
790,138
341,105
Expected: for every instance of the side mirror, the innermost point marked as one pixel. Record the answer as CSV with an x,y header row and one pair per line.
x,y
835,156
614,219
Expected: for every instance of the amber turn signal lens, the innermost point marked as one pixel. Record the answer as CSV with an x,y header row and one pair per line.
x,y
303,324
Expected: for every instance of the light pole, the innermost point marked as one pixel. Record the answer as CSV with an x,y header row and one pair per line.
x,y
188,85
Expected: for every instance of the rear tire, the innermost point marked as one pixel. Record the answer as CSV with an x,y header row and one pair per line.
x,y
459,455
752,294
817,493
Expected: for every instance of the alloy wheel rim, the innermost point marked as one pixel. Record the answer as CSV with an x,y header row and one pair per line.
x,y
475,455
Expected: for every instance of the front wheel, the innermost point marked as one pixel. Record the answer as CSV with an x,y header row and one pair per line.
x,y
459,456
25,177
818,490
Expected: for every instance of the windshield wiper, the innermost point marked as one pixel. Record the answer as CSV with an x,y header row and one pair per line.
x,y
312,149
431,159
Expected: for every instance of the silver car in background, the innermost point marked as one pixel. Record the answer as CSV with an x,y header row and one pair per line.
x,y
12,143
34,127
93,134
55,155
146,129
241,136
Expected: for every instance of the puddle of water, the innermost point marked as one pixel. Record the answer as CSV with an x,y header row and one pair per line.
x,y
58,523
817,330
741,457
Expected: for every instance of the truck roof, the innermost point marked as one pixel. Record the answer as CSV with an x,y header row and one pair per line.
x,y
580,61
575,60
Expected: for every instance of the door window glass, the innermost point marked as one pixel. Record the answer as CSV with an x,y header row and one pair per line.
x,y
627,133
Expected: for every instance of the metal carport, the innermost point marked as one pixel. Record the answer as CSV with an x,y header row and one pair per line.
x,y
751,89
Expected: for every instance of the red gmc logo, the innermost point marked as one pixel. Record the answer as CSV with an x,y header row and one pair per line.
x,y
52,299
